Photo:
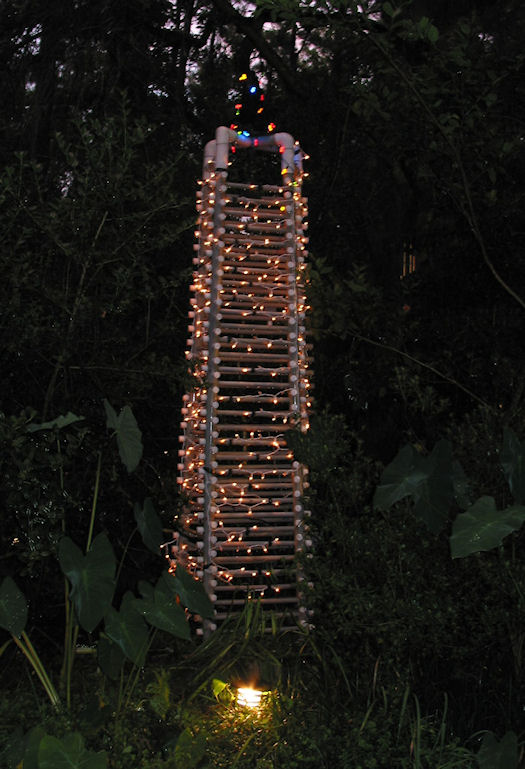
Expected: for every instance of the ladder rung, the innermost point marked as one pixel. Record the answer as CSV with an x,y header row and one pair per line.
x,y
264,601
258,356
258,514
239,302
255,560
234,384
269,428
243,212
277,453
223,588
239,399
256,528
270,469
268,328
253,225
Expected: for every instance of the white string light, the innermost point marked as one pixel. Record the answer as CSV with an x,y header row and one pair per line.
x,y
249,360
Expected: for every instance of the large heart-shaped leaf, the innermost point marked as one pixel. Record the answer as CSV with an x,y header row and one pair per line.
x,y
483,527
435,493
512,459
164,612
69,753
32,742
190,591
129,436
128,630
146,589
13,607
110,657
431,482
91,576
400,478
149,525
461,486
498,755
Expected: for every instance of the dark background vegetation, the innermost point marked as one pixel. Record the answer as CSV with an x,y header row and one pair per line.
x,y
413,114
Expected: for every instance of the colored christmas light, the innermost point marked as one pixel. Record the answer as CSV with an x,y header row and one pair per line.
x,y
250,106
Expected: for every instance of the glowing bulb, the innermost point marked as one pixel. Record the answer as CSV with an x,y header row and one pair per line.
x,y
248,697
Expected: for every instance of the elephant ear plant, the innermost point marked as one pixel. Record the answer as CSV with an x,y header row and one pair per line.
x,y
13,618
436,485
91,574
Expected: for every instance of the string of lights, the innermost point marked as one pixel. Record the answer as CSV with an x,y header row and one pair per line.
x,y
243,522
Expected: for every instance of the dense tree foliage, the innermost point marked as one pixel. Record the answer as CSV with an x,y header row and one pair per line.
x,y
413,115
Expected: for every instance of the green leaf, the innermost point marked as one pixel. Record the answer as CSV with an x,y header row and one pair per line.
x,y
69,753
429,481
129,437
61,421
149,525
146,589
32,743
498,755
191,592
461,486
218,686
432,33
91,576
111,415
512,458
435,493
399,479
128,630
163,612
190,749
13,607
160,700
483,527
110,657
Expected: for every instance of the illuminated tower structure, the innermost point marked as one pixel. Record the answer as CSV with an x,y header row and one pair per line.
x,y
243,523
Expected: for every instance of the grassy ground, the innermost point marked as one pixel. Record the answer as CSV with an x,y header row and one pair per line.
x,y
181,712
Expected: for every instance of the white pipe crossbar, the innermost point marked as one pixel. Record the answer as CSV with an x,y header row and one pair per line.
x,y
291,158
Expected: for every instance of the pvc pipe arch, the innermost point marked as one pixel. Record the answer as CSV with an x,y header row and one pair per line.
x,y
218,150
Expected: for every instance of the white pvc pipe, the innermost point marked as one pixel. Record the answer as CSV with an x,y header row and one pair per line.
x,y
209,156
224,138
291,157
285,143
222,141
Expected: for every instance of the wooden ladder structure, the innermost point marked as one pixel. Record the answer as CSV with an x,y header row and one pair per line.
x,y
243,523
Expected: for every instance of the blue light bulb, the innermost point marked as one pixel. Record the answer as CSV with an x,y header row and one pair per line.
x,y
253,88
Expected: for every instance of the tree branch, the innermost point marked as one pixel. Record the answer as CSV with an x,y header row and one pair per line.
x,y
468,211
251,28
435,371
